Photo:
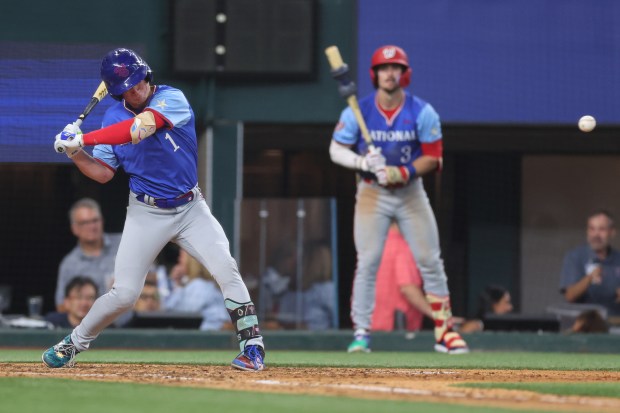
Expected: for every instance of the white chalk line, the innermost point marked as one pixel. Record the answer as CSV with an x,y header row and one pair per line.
x,y
552,399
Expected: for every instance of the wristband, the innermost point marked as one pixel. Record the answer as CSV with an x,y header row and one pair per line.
x,y
411,169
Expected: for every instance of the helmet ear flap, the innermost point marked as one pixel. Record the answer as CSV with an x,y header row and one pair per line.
x,y
373,76
405,78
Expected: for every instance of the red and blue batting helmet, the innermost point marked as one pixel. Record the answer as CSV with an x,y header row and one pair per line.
x,y
390,54
122,69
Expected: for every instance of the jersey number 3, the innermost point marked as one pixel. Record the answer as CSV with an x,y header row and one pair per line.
x,y
172,142
406,151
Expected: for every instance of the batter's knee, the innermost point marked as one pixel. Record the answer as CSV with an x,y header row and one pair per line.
x,y
226,266
428,259
368,263
123,298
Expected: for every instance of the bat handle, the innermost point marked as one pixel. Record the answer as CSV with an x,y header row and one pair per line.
x,y
79,122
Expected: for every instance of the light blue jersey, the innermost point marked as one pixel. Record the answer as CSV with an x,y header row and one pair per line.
x,y
400,139
165,164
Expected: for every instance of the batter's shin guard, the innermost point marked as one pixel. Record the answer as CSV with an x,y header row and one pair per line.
x,y
446,340
442,314
243,317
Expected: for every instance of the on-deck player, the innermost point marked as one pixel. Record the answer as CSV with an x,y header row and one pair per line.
x,y
407,134
150,133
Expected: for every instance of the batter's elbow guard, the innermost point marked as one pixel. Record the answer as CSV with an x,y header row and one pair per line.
x,y
143,126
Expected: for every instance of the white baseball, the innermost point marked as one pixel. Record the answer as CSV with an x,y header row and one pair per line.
x,y
587,123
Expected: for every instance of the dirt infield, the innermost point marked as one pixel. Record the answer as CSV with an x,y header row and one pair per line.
x,y
432,385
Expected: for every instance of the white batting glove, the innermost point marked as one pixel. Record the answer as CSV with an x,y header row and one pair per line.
x,y
72,128
60,146
69,141
374,160
382,178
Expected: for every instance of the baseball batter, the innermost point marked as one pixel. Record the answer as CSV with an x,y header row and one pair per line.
x,y
150,133
406,133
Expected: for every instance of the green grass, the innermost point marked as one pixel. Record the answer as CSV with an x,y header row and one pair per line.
x,y
62,396
488,360
560,389
56,395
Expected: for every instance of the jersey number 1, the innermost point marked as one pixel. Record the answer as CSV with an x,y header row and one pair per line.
x,y
174,145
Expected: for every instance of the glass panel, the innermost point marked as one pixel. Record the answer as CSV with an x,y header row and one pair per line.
x,y
287,259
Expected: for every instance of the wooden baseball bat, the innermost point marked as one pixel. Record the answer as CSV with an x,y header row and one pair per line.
x,y
336,62
99,94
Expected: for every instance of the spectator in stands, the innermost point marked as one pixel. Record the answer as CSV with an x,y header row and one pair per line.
x,y
398,287
590,321
94,253
399,290
194,290
275,282
310,302
80,295
494,299
591,272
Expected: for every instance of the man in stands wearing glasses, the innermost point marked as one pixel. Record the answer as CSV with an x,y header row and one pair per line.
x,y
94,253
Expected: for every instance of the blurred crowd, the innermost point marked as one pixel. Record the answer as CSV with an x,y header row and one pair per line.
x,y
178,287
178,290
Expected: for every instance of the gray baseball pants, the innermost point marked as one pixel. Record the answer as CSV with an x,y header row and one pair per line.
x,y
376,207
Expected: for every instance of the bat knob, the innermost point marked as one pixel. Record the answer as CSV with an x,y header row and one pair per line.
x,y
58,147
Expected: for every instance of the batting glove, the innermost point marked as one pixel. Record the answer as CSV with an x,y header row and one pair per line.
x,y
397,175
72,128
382,178
374,160
70,140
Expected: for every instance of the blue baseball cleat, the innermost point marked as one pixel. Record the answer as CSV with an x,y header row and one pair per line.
x,y
61,355
250,359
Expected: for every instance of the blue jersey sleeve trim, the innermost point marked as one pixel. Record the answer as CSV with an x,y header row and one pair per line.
x,y
172,105
347,130
106,154
429,126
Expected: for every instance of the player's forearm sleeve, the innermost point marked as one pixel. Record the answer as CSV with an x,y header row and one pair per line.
x,y
117,133
344,156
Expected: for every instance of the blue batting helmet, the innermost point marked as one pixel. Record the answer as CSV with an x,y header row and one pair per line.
x,y
122,69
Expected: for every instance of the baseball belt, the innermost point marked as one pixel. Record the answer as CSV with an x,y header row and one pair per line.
x,y
166,203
